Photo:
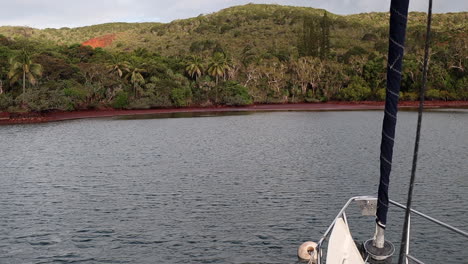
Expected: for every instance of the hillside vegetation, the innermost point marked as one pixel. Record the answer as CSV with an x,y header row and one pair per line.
x,y
239,55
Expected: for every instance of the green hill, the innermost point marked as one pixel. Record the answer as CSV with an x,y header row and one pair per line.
x,y
264,25
279,53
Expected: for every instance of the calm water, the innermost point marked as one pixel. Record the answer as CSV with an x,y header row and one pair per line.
x,y
243,188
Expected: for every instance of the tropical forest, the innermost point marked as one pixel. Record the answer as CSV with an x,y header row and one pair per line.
x,y
250,54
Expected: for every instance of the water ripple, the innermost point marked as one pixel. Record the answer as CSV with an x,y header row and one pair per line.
x,y
230,189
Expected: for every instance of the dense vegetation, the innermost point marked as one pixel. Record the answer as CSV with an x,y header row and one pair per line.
x,y
240,55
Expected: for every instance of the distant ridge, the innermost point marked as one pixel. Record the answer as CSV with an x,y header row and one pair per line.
x,y
261,25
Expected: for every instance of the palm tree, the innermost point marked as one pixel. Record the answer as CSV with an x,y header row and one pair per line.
x,y
21,66
218,67
118,67
135,77
194,67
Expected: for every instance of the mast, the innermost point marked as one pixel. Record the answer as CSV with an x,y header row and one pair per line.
x,y
398,22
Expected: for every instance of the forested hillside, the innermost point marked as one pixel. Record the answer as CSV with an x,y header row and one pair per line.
x,y
240,55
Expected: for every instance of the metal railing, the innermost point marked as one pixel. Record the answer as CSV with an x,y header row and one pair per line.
x,y
371,198
429,218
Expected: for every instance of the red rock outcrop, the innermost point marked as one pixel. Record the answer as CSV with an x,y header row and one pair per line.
x,y
100,42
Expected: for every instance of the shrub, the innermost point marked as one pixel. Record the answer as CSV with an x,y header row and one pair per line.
x,y
433,94
41,99
140,103
462,88
235,94
75,93
226,27
121,100
160,101
354,51
409,96
311,100
311,97
369,37
448,96
5,101
357,90
381,93
181,97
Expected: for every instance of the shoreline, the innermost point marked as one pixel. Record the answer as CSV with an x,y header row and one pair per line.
x,y
32,118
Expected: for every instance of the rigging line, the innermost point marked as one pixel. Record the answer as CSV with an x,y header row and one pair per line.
x,y
400,14
397,44
395,70
403,245
395,62
392,92
387,136
390,114
386,160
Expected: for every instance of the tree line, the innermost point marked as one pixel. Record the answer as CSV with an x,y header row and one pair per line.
x,y
43,76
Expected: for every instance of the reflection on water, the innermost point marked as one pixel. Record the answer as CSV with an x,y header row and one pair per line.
x,y
241,188
184,115
448,110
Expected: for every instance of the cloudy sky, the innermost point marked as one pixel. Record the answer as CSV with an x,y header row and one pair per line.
x,y
73,13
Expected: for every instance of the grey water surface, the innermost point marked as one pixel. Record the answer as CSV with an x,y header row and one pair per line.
x,y
244,188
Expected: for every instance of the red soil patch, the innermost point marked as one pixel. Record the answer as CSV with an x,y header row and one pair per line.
x,y
100,42
15,118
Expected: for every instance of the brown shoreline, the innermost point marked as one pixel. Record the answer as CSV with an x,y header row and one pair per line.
x,y
28,118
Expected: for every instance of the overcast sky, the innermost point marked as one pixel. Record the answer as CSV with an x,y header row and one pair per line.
x,y
73,13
